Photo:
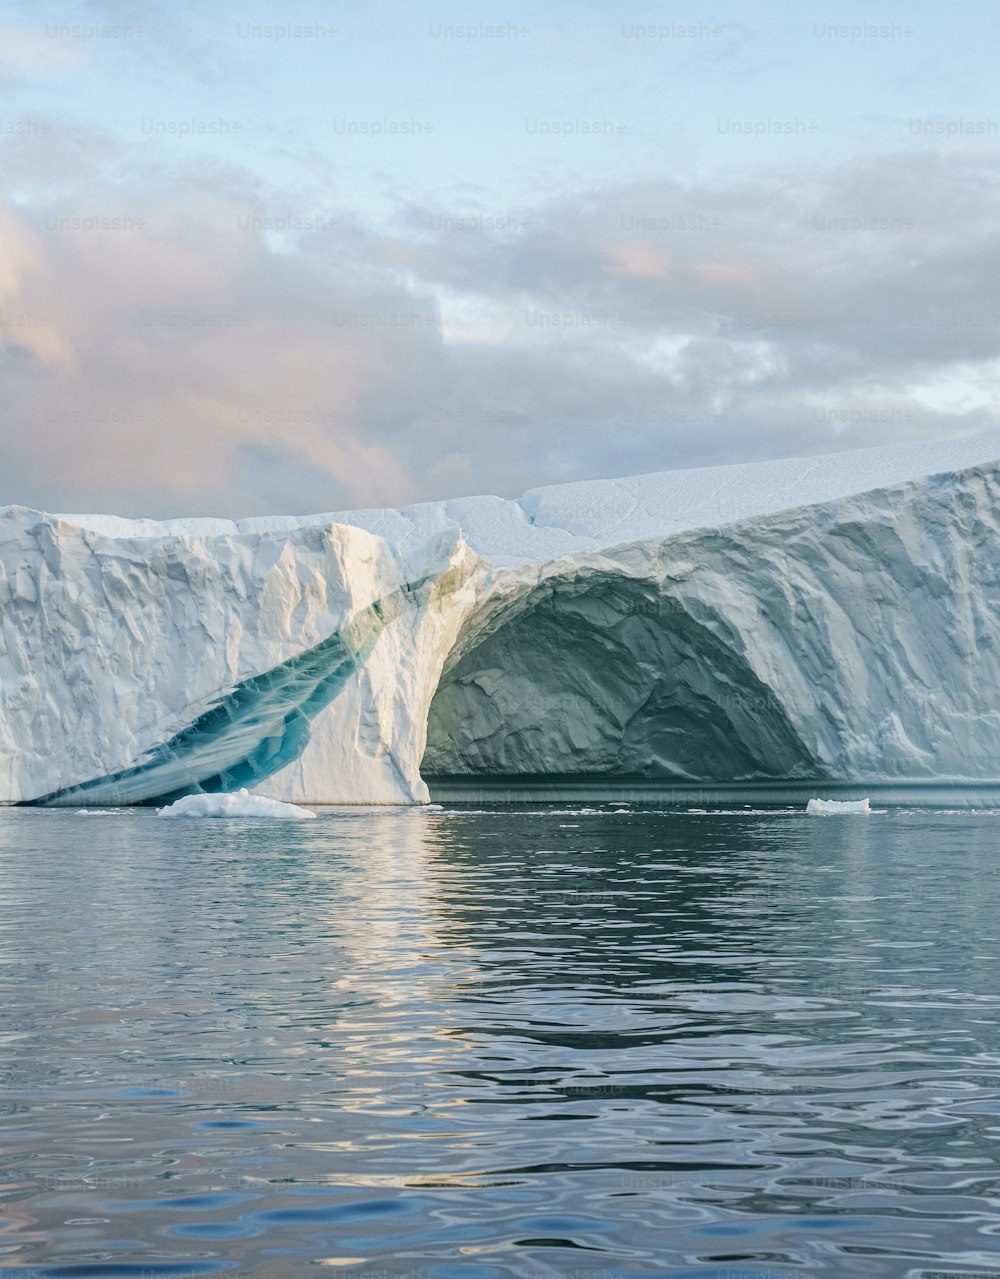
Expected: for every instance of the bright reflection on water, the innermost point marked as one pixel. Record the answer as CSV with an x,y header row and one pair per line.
x,y
532,1042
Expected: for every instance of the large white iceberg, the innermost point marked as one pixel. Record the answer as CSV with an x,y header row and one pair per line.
x,y
821,620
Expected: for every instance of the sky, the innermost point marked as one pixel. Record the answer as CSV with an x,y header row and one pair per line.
x,y
261,258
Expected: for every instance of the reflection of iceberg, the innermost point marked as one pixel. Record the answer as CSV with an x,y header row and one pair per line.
x,y
826,620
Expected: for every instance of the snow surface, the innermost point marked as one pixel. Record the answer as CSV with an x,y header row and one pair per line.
x,y
831,619
828,807
240,804
547,522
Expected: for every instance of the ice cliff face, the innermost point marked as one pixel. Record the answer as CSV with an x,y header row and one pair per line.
x,y
832,619
140,663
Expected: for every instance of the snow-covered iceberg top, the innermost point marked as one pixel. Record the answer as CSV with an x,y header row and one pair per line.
x,y
240,804
546,523
828,807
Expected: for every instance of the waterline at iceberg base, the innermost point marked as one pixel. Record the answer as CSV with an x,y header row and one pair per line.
x,y
774,631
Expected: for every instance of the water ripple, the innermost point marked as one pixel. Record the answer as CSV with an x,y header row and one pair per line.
x,y
535,1041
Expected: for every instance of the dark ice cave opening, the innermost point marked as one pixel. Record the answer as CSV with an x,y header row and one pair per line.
x,y
607,676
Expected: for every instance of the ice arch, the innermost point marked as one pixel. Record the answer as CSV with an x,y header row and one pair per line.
x,y
603,674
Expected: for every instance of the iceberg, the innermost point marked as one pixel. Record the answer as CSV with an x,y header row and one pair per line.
x,y
828,807
240,804
781,627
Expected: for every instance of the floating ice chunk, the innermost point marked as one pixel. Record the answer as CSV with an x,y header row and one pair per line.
x,y
238,804
822,807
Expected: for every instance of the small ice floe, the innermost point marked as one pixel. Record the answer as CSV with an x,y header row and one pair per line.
x,y
824,807
238,804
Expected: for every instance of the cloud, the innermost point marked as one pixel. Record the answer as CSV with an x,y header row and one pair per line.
x,y
31,53
188,346
158,350
639,260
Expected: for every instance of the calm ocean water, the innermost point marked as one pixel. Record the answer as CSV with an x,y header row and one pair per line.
x,y
531,1041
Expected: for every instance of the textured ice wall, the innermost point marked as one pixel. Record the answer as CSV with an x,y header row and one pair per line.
x,y
299,660
832,618
851,640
